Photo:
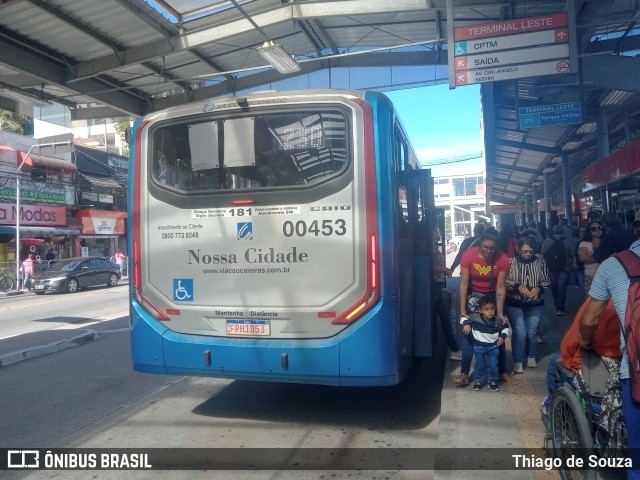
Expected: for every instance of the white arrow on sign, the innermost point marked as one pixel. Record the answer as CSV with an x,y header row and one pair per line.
x,y
484,75
523,55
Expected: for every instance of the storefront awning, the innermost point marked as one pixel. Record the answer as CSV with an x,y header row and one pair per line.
x,y
41,161
102,222
101,182
42,231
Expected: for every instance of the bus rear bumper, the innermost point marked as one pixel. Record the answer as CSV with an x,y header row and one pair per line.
x,y
364,354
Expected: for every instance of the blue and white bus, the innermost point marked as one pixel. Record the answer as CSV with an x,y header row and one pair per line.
x,y
280,237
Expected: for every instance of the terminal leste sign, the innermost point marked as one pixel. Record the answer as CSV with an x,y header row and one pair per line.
x,y
511,49
511,27
548,115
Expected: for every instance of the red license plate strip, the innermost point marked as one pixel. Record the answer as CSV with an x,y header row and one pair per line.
x,y
249,328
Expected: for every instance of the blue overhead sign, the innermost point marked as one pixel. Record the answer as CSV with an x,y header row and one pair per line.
x,y
549,115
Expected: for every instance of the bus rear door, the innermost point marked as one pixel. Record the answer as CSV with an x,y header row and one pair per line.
x,y
422,219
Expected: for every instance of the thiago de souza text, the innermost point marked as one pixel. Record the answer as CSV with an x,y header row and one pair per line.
x,y
532,462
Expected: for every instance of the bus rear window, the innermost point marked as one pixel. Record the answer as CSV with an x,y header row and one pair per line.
x,y
250,152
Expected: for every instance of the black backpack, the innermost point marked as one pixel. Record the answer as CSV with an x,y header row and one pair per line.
x,y
556,256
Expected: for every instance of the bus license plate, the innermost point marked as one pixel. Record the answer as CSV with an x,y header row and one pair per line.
x,y
249,327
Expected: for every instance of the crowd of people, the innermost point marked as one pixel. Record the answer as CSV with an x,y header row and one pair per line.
x,y
503,278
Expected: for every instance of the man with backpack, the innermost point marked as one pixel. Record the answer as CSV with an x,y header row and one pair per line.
x,y
613,280
558,251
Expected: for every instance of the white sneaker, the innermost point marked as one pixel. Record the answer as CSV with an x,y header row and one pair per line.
x,y
531,362
456,355
517,368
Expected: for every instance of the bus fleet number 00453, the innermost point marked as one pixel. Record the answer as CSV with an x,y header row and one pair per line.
x,y
314,228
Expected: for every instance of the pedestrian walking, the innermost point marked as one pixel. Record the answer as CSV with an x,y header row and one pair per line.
x,y
27,271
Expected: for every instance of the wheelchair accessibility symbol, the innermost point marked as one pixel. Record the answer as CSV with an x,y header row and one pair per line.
x,y
183,289
460,48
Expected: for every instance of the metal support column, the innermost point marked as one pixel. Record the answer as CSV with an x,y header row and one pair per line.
x,y
604,199
520,221
602,129
547,201
566,188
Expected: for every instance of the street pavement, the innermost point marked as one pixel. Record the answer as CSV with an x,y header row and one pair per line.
x,y
468,419
18,348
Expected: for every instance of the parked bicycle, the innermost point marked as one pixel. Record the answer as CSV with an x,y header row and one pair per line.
x,y
6,283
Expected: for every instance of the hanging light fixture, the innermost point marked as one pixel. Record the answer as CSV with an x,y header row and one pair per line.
x,y
278,58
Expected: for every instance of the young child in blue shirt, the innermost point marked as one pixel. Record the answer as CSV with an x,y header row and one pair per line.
x,y
489,332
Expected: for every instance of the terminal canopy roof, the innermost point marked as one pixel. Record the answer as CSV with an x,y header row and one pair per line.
x,y
110,58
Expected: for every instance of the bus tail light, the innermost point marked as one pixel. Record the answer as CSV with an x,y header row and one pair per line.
x,y
350,315
373,264
137,287
372,291
137,253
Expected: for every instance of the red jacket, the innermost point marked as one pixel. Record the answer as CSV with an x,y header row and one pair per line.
x,y
605,342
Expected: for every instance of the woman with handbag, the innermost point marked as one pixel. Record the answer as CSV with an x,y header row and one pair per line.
x,y
483,271
526,282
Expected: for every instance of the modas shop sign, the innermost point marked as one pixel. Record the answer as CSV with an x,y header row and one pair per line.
x,y
33,215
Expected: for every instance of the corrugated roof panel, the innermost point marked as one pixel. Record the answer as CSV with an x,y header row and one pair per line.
x,y
514,136
389,30
38,25
113,20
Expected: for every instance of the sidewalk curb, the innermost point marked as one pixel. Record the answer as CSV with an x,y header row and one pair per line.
x,y
41,350
14,293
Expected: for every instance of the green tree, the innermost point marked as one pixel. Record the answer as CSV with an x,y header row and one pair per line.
x,y
11,122
122,126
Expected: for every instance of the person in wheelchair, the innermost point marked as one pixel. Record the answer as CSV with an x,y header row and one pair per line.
x,y
566,368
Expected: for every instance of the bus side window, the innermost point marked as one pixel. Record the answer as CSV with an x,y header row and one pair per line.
x,y
185,174
164,171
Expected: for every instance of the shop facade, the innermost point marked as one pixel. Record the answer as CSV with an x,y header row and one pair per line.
x,y
51,202
43,229
103,232
613,184
46,188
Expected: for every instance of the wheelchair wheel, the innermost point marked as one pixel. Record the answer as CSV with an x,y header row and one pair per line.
x,y
570,433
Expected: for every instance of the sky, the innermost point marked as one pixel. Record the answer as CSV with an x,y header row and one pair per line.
x,y
442,124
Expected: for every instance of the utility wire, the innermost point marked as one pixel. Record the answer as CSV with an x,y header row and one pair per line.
x,y
447,160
